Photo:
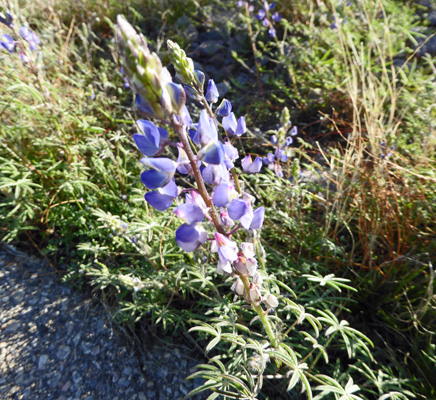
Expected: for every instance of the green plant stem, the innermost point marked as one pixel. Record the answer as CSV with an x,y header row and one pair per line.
x,y
262,316
198,178
319,354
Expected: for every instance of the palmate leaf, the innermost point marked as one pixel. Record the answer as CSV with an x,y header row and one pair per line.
x,y
340,393
330,280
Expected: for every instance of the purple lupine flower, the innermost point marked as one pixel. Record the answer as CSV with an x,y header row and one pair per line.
x,y
6,18
224,109
189,213
234,127
269,159
258,218
241,210
215,174
227,252
225,219
190,237
195,198
272,32
261,14
212,94
206,129
277,17
183,163
7,41
246,264
249,166
151,139
265,22
238,287
126,81
30,37
161,172
162,198
212,153
177,95
274,140
224,194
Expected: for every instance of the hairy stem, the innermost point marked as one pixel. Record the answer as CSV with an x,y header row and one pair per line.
x,y
198,178
262,316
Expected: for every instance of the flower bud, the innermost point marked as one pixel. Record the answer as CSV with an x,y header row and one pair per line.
x,y
270,301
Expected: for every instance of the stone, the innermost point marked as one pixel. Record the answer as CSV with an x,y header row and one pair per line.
x,y
42,361
63,352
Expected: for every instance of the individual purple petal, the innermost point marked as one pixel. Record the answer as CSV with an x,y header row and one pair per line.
x,y
223,194
274,140
206,129
143,105
294,131
177,95
189,213
194,134
160,164
230,151
212,153
247,218
7,41
199,77
272,5
224,109
148,142
272,32
252,167
212,94
186,117
170,189
6,19
190,237
259,215
241,127
237,209
288,141
153,179
229,123
195,198
215,174
159,201
183,164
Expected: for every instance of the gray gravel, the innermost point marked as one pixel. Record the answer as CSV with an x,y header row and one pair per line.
x,y
57,343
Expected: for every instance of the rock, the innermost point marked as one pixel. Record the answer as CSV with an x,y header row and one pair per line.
x,y
63,352
211,47
42,361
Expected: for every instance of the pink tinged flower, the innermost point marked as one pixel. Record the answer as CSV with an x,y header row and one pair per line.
x,y
189,213
238,287
162,199
190,237
234,127
195,198
270,301
255,295
246,266
161,172
250,166
151,139
225,219
224,194
227,252
248,249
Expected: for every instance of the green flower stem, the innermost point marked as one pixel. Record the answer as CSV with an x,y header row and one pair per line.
x,y
262,316
198,178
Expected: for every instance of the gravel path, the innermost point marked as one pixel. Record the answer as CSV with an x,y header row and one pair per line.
x,y
55,343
